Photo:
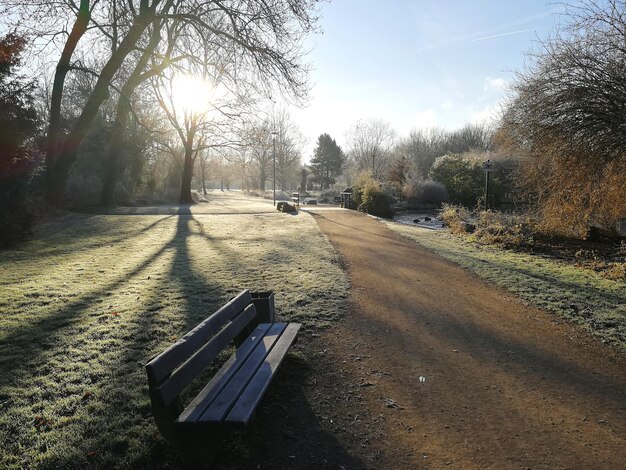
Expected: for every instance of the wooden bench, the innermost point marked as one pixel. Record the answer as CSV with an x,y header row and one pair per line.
x,y
231,396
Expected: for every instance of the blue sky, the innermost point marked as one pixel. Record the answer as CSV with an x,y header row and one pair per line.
x,y
416,63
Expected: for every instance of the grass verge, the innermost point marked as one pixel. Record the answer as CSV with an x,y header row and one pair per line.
x,y
93,297
577,294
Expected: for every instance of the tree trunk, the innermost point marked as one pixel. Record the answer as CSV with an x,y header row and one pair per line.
x,y
185,188
203,171
107,197
262,178
54,122
66,158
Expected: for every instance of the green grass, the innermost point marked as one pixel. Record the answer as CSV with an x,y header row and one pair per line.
x,y
93,297
577,294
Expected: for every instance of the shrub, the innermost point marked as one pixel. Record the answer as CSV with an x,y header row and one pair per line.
x,y
463,178
491,227
505,229
370,197
16,212
430,192
328,196
455,217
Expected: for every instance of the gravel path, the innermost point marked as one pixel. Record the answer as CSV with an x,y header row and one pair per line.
x,y
454,373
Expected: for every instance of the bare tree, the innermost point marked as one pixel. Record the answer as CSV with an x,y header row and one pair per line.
x,y
241,160
424,146
289,143
258,142
261,39
65,158
370,144
146,67
566,119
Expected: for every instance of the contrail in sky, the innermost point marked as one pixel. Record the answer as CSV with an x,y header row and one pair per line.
x,y
503,34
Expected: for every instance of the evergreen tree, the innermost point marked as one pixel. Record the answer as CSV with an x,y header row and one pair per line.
x,y
18,125
326,162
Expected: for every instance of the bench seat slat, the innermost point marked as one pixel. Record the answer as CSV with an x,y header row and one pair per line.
x,y
217,411
185,374
206,396
242,411
162,365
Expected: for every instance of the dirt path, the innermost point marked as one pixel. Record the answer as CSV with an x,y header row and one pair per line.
x,y
448,372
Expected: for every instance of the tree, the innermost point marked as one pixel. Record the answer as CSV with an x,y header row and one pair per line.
x,y
204,159
63,160
18,125
193,119
370,143
79,28
275,131
240,161
289,142
326,162
139,74
370,197
424,146
260,41
258,141
400,169
566,121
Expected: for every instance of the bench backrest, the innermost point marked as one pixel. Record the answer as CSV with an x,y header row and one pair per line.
x,y
176,367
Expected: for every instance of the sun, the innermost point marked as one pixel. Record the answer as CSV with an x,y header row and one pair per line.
x,y
191,94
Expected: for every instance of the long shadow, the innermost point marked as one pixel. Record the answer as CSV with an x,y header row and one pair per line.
x,y
21,346
149,334
524,359
543,278
123,393
496,407
67,244
287,432
200,299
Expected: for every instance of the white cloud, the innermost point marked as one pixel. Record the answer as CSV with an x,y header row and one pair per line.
x,y
495,84
487,115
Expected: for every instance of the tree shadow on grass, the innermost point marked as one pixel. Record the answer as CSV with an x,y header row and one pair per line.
x,y
284,416
117,429
583,304
21,346
68,244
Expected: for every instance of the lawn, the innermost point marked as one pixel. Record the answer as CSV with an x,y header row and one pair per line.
x,y
86,303
577,294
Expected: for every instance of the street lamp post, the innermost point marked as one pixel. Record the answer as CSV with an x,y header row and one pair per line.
x,y
274,164
487,166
